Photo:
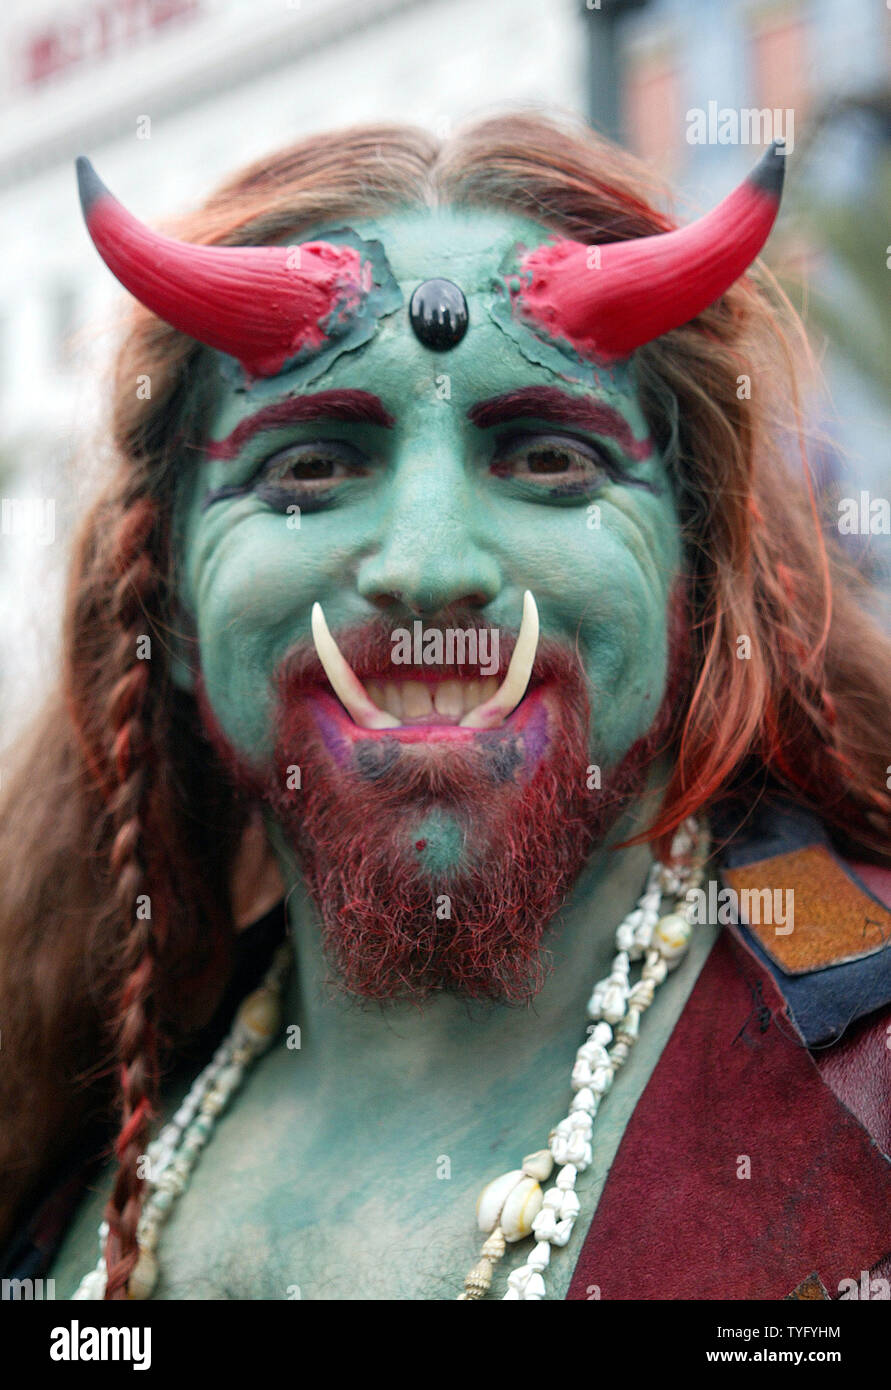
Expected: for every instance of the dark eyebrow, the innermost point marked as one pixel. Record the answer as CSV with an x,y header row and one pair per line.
x,y
360,407
550,403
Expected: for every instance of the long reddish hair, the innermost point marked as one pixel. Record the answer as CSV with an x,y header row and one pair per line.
x,y
120,827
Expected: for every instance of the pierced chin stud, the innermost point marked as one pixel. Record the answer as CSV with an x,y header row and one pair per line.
x,y
438,314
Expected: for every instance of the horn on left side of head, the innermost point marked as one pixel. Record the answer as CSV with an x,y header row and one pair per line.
x,y
259,304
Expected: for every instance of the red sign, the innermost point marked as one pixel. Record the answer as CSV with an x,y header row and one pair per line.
x,y
103,28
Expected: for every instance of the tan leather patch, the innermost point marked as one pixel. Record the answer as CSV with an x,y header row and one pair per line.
x,y
833,920
810,1288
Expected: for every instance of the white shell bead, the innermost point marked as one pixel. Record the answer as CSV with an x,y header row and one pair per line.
x,y
573,1149
548,1227
570,1141
601,1078
259,1017
595,1054
624,937
672,937
493,1197
144,1277
92,1286
228,1081
538,1164
520,1210
581,1075
655,969
612,1005
586,1100
642,994
643,935
540,1256
596,1001
629,1029
526,1283
570,1206
149,1235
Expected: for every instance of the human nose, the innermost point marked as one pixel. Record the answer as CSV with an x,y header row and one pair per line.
x,y
431,554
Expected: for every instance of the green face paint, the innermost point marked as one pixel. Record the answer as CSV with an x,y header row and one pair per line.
x,y
433,496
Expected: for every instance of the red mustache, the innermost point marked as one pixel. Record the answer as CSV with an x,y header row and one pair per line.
x,y
368,647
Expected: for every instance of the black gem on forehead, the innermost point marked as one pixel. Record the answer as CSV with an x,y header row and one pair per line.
x,y
438,314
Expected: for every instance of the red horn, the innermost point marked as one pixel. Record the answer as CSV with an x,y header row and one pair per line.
x,y
259,304
633,291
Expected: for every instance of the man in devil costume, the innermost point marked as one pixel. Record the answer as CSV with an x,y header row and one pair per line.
x,y
458,612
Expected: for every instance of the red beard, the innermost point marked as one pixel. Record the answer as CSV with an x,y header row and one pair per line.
x,y
395,922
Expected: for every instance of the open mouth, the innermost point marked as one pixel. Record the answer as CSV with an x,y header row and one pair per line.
x,y
439,702
476,703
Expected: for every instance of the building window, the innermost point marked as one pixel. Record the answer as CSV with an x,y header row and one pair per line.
x,y
653,117
778,56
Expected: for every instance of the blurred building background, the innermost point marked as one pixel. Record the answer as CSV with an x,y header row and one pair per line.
x,y
168,96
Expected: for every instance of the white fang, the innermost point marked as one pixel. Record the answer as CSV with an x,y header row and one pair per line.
x,y
513,687
344,682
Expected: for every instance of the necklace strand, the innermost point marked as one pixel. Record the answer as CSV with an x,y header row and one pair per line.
x,y
170,1158
511,1208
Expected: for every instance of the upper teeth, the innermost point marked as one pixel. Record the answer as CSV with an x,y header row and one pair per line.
x,y
450,699
478,703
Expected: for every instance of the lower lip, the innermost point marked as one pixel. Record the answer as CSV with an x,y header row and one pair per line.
x,y
329,711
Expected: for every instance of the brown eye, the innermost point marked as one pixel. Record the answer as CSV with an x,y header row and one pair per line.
x,y
309,474
311,467
561,460
548,460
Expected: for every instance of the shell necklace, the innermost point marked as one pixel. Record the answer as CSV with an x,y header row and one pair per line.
x,y
512,1207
